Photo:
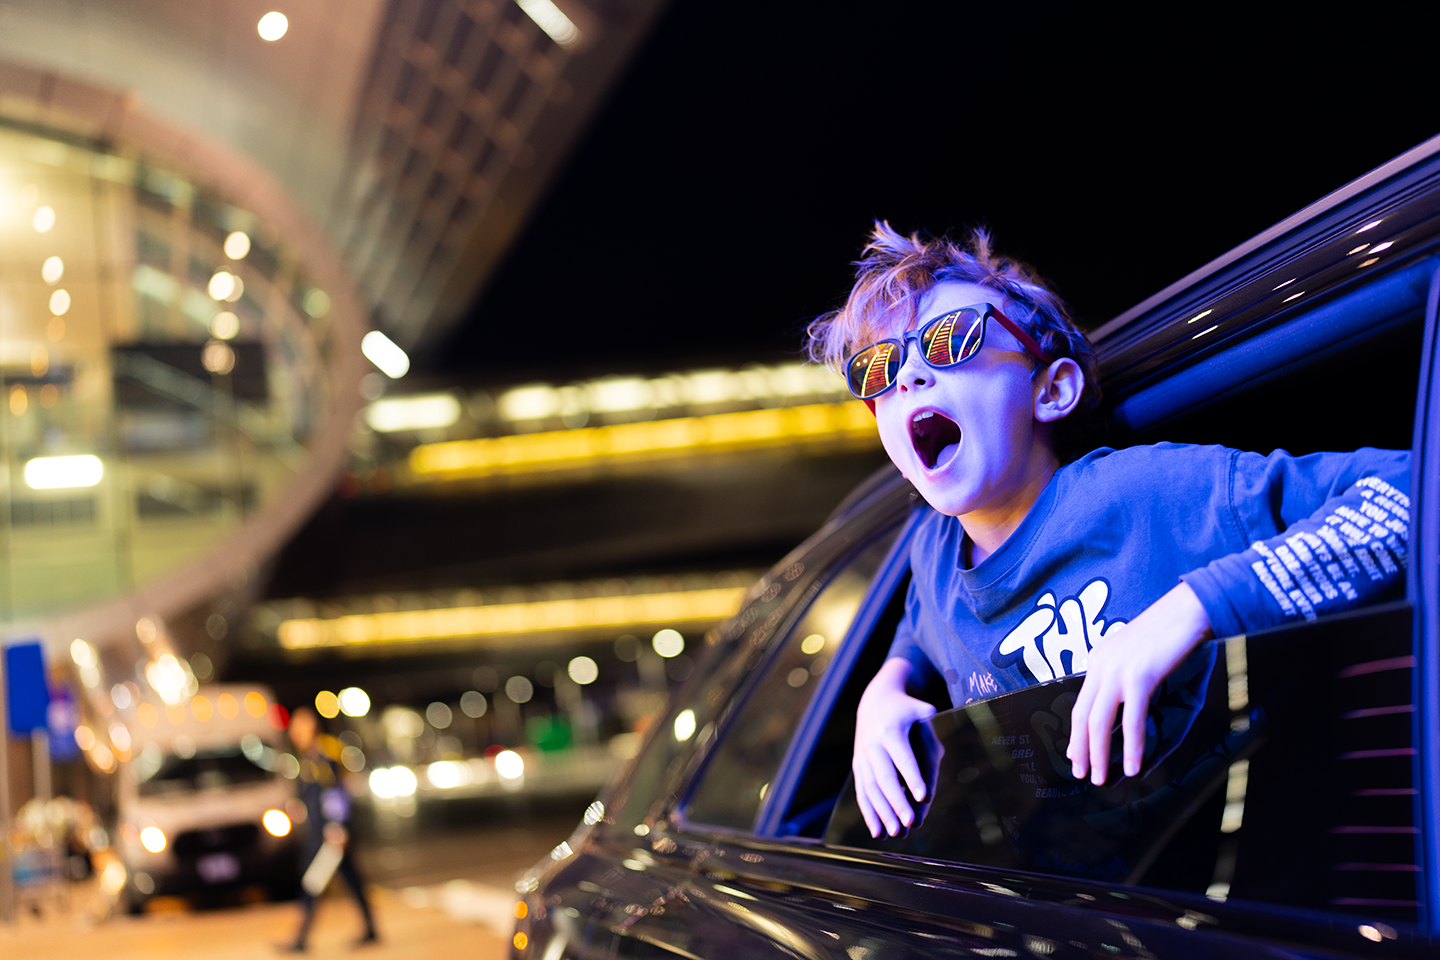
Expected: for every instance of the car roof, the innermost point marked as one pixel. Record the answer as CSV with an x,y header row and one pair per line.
x,y
1252,286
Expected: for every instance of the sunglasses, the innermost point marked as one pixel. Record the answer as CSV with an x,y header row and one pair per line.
x,y
946,341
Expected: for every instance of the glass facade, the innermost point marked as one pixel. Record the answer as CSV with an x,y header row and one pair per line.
x,y
164,368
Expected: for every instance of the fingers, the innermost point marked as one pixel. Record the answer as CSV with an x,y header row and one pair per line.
x,y
862,799
892,802
904,759
1132,726
884,816
1098,726
1078,750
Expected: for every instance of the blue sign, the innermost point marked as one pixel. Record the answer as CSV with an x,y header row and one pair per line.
x,y
25,689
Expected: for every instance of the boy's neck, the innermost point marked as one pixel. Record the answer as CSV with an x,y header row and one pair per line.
x,y
987,530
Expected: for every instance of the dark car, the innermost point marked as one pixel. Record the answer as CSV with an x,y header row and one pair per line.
x,y
1295,812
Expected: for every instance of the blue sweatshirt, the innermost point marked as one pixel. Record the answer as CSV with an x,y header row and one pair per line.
x,y
1261,540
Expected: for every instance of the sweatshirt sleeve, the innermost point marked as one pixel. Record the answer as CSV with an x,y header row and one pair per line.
x,y
1325,532
906,645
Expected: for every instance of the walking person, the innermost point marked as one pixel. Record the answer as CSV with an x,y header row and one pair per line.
x,y
327,809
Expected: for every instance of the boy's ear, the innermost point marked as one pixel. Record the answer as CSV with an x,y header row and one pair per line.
x,y
1057,390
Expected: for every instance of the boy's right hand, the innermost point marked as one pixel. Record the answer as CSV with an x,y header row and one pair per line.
x,y
882,747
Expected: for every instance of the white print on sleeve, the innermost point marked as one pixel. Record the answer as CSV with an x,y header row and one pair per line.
x,y
1049,632
1307,569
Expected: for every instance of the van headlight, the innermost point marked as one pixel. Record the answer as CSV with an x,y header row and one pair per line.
x,y
277,824
153,839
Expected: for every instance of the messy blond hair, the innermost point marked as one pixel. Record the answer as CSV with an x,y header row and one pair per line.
x,y
894,273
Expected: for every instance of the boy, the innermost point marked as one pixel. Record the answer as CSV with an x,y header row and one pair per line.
x,y
980,384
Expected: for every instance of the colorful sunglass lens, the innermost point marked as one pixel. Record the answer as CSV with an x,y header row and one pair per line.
x,y
953,338
873,370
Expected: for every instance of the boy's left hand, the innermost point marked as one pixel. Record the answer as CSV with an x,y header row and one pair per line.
x,y
1126,669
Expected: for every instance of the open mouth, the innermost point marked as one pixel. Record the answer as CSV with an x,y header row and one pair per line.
x,y
936,437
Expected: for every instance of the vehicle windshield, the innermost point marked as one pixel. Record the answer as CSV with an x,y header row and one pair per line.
x,y
214,769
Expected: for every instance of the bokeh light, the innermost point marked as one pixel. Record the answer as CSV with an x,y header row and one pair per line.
x,y
354,702
583,670
237,245
152,838
277,824
327,704
509,764
439,715
519,689
668,643
685,725
273,26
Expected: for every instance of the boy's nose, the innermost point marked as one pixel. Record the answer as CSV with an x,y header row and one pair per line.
x,y
913,372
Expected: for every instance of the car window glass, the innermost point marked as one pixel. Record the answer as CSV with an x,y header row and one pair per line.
x,y
1279,770
739,773
206,770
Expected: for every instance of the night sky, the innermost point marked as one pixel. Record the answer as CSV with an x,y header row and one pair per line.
x,y
715,203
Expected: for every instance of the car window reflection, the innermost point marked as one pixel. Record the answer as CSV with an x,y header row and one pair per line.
x,y
1280,770
737,778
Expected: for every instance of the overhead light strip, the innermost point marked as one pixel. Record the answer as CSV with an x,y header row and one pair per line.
x,y
643,441
512,619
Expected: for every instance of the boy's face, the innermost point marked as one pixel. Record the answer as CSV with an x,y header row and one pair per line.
x,y
965,436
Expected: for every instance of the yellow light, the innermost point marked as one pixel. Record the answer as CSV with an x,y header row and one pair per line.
x,y
354,702
217,358
221,285
224,325
202,709
227,706
175,714
509,764
43,220
583,670
277,824
385,354
60,302
153,839
84,737
509,619
812,644
559,27
521,910
272,26
327,704
629,442
82,653
255,704
685,725
52,270
112,877
428,412
668,643
147,715
237,245
521,941
56,473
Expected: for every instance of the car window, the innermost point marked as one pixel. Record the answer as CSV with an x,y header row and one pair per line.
x,y
206,770
738,775
1279,770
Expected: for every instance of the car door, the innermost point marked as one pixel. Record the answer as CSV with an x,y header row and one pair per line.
x,y
636,885
1293,817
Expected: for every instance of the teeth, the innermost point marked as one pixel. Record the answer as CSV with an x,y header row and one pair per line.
x,y
922,415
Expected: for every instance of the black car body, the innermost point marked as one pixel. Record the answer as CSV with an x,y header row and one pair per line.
x,y
1300,814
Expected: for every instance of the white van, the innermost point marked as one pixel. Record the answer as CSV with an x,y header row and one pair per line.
x,y
206,804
